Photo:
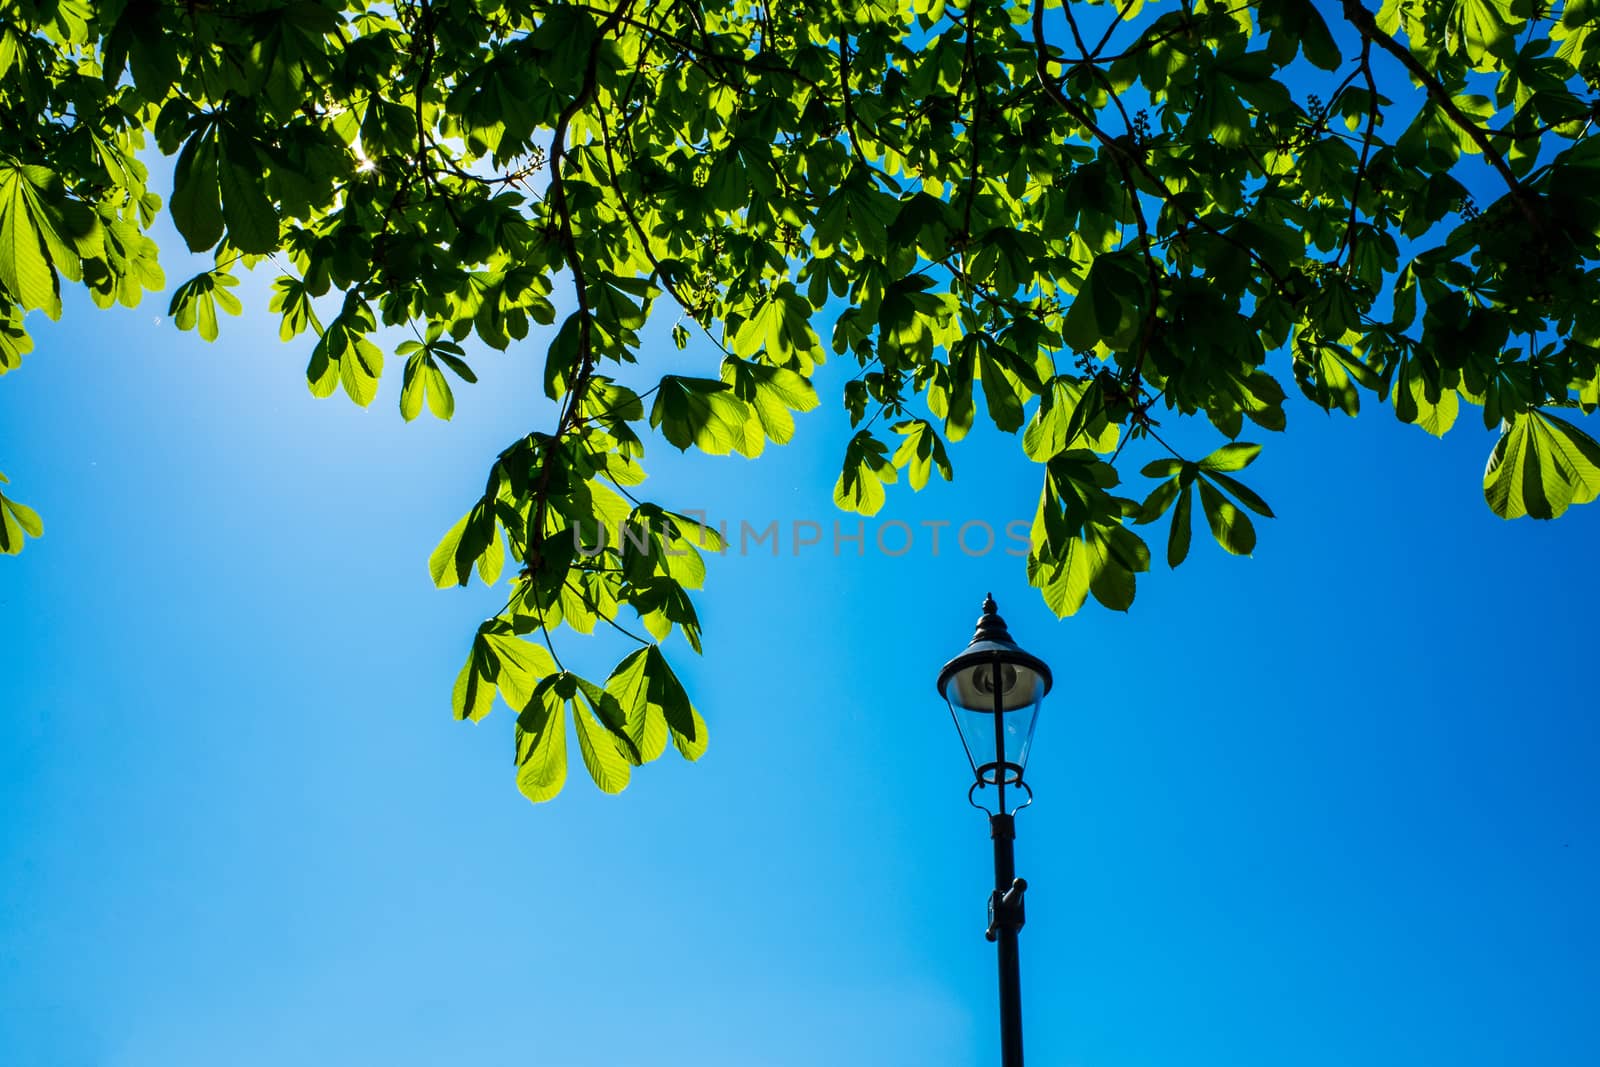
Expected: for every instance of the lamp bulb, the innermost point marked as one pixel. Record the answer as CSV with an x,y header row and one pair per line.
x,y
983,678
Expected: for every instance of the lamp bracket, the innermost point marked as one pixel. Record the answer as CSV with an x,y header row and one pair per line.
x,y
1006,911
971,798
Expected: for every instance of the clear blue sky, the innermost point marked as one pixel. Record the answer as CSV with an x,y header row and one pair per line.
x,y
1332,805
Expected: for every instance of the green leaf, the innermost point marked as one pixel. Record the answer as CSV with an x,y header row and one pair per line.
x,y
412,388
1182,528
1071,414
541,739
1412,403
15,521
442,562
1541,466
654,706
293,301
1243,493
1101,560
26,517
770,393
10,533
683,721
1118,555
196,301
360,365
345,355
1062,582
630,684
608,402
522,665
493,558
1098,313
1156,504
322,372
608,710
424,380
921,451
690,741
196,203
1294,23
473,695
706,414
14,341
958,408
31,251
607,765
866,470
252,220
779,329
1230,526
1324,372
1003,393
1483,29
466,544
1231,457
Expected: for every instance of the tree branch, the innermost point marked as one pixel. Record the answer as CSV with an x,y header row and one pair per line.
x,y
569,245
844,97
1365,70
1367,26
1121,154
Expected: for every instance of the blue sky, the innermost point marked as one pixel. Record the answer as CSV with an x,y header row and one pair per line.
x,y
1333,804
1330,805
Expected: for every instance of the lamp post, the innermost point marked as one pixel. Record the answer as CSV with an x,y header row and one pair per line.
x,y
994,689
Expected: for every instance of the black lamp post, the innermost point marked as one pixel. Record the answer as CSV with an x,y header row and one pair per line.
x,y
994,689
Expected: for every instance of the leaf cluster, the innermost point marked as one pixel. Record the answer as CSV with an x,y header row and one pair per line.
x,y
1101,225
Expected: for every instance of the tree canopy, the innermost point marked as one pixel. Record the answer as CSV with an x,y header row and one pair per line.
x,y
1075,220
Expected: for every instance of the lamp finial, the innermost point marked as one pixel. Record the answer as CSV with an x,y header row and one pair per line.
x,y
991,627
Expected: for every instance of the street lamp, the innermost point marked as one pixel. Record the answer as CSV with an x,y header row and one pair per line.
x,y
994,690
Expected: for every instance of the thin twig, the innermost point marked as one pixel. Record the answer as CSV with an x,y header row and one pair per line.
x,y
1367,26
1119,151
1366,146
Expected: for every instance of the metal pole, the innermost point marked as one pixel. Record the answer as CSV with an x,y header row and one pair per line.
x,y
1005,919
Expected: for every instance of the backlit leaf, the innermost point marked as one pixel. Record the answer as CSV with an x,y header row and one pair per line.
x,y
1541,466
1230,526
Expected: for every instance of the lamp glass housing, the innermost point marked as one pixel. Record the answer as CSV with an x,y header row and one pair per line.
x,y
977,702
